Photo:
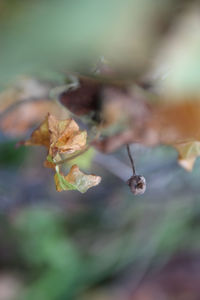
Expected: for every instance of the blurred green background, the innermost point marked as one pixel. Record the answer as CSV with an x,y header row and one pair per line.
x,y
106,244
101,244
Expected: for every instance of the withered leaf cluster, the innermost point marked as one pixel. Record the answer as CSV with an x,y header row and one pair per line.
x,y
129,114
63,137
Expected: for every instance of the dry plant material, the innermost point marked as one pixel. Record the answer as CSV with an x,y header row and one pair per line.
x,y
24,104
82,99
188,152
59,136
126,115
63,137
75,180
22,118
137,183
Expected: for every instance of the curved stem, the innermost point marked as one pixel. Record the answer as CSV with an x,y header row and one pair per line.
x,y
131,159
72,157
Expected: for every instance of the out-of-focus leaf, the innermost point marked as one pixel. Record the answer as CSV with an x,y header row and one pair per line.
x,y
23,89
171,124
18,121
24,104
84,98
188,152
76,180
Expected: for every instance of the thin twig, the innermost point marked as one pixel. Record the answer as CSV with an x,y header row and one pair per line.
x,y
131,159
72,157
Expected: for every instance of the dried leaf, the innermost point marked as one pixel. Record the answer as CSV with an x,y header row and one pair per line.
x,y
21,118
76,180
165,123
59,136
84,98
23,104
49,163
65,136
188,152
40,136
187,164
62,184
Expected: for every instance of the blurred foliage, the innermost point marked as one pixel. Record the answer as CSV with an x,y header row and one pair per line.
x,y
49,251
45,36
70,245
65,255
65,252
10,155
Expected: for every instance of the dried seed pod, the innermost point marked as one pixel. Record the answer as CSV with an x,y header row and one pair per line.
x,y
137,184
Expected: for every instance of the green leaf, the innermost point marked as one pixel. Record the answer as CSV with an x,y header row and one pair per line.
x,y
62,183
75,180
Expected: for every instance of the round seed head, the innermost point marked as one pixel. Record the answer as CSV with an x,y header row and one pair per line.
x,y
137,184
